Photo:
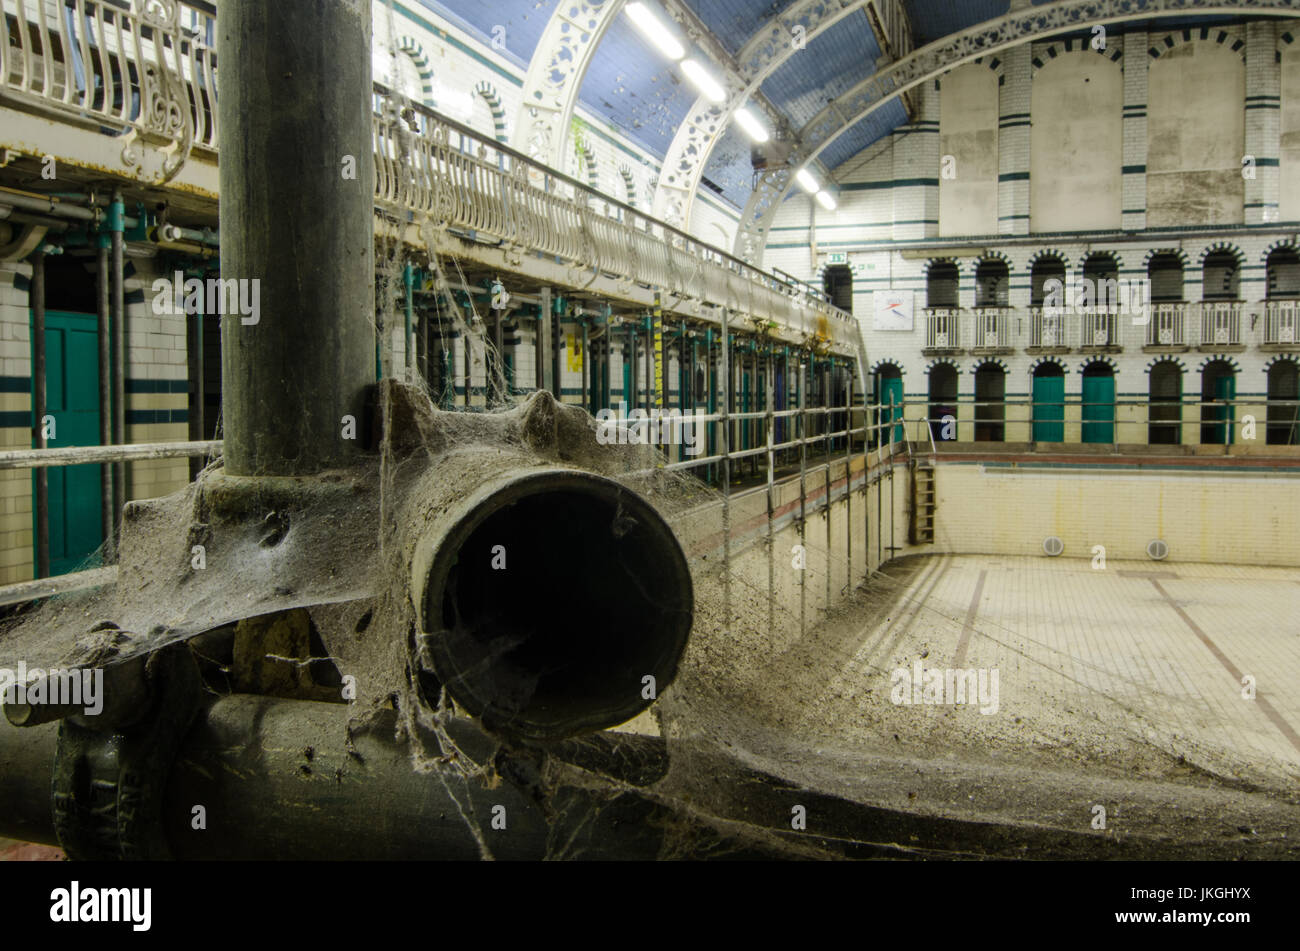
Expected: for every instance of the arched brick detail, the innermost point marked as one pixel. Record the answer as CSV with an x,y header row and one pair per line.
x,y
956,262
1216,358
490,96
1113,255
1280,243
629,183
1222,246
1065,369
876,367
1176,252
990,361
412,48
1077,44
939,361
1282,358
1212,34
1176,361
1099,358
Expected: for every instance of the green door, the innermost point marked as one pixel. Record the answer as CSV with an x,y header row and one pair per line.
x,y
72,398
1217,418
891,391
1098,407
1049,408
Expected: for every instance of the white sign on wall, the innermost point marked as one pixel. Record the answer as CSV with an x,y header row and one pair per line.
x,y
892,310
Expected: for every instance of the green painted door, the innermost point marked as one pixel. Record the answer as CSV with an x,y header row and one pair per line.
x,y
1219,430
72,398
1098,408
891,391
1049,408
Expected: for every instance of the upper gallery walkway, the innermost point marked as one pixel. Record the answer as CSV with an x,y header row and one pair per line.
x,y
123,94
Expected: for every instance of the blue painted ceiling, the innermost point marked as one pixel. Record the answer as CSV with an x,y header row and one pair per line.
x,y
639,92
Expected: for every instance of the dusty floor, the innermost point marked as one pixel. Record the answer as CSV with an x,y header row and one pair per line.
x,y
1119,688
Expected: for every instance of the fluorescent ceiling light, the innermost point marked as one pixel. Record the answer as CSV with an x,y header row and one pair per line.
x,y
655,31
705,83
753,128
825,199
807,182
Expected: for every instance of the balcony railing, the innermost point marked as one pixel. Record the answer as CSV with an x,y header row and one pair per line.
x,y
942,328
1099,330
992,328
1220,323
1046,328
149,72
1281,323
1168,326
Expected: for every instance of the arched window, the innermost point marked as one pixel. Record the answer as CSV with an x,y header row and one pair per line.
x,y
1098,400
1220,276
1049,403
1165,271
991,283
837,281
990,405
1102,271
941,282
1283,274
943,400
889,393
1283,393
1218,390
1165,416
1045,269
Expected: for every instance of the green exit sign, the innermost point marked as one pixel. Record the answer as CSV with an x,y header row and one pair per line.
x,y
838,257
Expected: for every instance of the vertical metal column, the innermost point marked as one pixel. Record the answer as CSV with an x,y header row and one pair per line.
x,y
117,320
826,432
711,406
542,351
194,353
105,347
657,339
294,112
800,389
408,313
726,468
38,413
651,395
586,365
771,508
630,355
557,375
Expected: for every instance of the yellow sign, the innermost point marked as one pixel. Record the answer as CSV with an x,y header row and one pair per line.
x,y
573,348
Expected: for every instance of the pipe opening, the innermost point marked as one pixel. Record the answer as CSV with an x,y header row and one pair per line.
x,y
550,602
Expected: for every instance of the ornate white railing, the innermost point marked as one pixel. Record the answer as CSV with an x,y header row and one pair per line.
x,y
992,328
1099,329
146,70
1168,326
1220,323
1046,327
943,328
1281,323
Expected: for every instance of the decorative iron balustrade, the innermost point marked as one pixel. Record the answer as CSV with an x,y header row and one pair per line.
x,y
147,73
1220,324
992,329
1281,323
1168,325
942,328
